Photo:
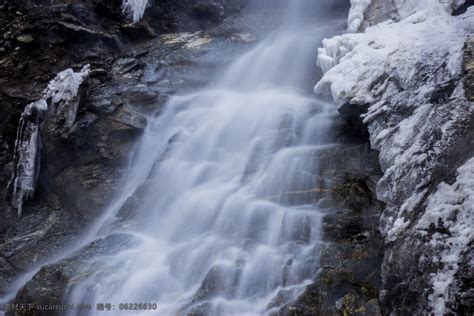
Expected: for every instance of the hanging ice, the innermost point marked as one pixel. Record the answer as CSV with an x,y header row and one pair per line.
x,y
135,7
56,101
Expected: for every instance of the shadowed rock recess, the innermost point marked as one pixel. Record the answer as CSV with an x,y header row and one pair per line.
x,y
395,188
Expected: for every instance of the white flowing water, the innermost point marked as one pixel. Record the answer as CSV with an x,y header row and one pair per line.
x,y
220,174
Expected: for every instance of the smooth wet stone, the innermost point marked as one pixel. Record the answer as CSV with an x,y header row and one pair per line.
x,y
52,283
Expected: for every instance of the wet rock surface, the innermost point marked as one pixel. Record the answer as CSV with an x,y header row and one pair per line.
x,y
37,236
135,68
349,278
130,78
40,39
52,283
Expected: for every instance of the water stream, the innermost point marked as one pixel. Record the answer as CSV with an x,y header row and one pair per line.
x,y
224,176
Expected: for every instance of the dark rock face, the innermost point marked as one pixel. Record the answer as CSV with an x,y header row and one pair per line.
x,y
349,278
134,69
353,129
469,69
51,284
412,252
188,15
465,287
40,39
421,120
410,261
79,170
212,285
81,164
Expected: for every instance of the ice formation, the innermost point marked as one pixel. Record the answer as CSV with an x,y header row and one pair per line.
x,y
408,71
360,18
357,63
135,7
57,101
356,14
451,206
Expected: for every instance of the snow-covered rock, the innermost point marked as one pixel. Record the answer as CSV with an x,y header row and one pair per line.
x,y
355,64
451,207
365,13
409,70
57,102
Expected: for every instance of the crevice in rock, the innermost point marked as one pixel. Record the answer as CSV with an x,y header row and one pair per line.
x,y
462,9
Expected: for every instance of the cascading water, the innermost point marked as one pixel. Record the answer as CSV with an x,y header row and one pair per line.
x,y
229,219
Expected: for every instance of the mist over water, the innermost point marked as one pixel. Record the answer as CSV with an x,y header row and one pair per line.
x,y
221,225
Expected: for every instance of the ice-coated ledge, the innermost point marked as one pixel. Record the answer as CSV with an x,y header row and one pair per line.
x,y
409,70
364,13
57,101
355,63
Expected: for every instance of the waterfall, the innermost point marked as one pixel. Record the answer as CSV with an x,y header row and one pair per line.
x,y
230,197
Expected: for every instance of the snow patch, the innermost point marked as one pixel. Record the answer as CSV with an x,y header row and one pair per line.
x,y
56,101
398,226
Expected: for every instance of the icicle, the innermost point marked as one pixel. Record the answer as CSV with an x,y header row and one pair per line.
x,y
135,7
26,158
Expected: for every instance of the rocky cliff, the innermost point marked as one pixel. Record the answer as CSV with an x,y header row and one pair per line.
x,y
408,65
411,64
64,156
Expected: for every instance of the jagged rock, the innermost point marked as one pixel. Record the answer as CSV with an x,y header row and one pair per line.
x,y
83,160
212,285
281,298
140,93
333,167
130,118
469,69
199,310
7,273
109,120
349,277
54,282
465,277
139,31
23,245
127,215
421,120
